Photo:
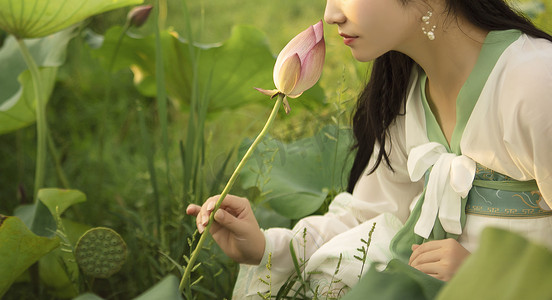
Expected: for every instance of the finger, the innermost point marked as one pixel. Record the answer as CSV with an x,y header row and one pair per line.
x,y
233,224
235,205
434,269
436,276
431,245
205,212
425,247
209,205
426,257
193,209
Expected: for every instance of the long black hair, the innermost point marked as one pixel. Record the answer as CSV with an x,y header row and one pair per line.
x,y
384,97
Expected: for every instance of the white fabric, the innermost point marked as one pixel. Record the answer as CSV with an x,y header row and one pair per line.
x,y
509,131
450,180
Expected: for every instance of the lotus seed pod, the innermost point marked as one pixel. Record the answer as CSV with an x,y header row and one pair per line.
x,y
100,252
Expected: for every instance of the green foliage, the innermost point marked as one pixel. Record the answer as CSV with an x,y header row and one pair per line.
x,y
505,266
38,18
17,98
39,216
364,250
88,296
397,281
58,269
20,248
296,178
166,289
59,200
227,75
539,11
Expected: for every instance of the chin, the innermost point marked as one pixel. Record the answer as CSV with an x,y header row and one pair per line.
x,y
363,57
366,56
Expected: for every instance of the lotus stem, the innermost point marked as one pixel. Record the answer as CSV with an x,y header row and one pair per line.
x,y
41,124
186,277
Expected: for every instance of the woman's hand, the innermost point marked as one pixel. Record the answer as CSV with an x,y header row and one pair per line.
x,y
235,229
440,259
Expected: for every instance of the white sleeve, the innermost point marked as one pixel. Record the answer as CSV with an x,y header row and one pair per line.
x,y
383,191
511,130
528,120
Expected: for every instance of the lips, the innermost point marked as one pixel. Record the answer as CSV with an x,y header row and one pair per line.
x,y
348,39
347,36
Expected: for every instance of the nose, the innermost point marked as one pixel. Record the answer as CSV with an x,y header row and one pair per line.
x,y
333,13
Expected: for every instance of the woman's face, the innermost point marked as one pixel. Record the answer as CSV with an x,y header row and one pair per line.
x,y
373,27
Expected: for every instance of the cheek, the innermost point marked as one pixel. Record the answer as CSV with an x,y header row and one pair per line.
x,y
361,12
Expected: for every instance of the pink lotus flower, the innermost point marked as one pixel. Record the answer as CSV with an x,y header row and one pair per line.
x,y
299,65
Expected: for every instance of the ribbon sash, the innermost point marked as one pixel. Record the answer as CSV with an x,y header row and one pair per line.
x,y
450,179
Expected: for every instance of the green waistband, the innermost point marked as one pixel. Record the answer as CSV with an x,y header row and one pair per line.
x,y
506,204
497,195
507,185
485,177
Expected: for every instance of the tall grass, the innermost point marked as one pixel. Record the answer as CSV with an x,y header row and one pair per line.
x,y
140,160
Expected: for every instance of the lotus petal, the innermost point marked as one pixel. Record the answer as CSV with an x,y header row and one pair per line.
x,y
300,44
319,31
311,68
289,74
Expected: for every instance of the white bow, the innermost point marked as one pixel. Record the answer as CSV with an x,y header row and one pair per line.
x,y
450,180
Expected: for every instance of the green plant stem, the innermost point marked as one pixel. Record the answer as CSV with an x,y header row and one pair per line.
x,y
195,253
59,170
160,15
41,124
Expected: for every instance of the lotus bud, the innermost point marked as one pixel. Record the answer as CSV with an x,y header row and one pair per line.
x,y
299,65
139,15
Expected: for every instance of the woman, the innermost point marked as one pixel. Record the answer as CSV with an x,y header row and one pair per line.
x,y
452,135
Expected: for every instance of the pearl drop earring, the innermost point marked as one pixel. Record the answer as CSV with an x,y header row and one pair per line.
x,y
431,33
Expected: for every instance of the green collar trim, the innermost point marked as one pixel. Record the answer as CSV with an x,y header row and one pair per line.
x,y
494,45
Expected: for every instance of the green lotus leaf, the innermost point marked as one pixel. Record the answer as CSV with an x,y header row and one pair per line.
x,y
19,249
228,71
88,296
505,266
167,288
61,198
17,98
38,18
39,216
298,177
55,267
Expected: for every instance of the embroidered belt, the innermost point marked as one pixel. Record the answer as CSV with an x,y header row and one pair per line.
x,y
506,204
497,195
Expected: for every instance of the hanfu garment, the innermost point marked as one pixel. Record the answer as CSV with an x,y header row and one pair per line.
x,y
503,134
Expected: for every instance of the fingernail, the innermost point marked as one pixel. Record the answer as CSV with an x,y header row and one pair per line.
x,y
219,215
200,228
205,220
210,206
